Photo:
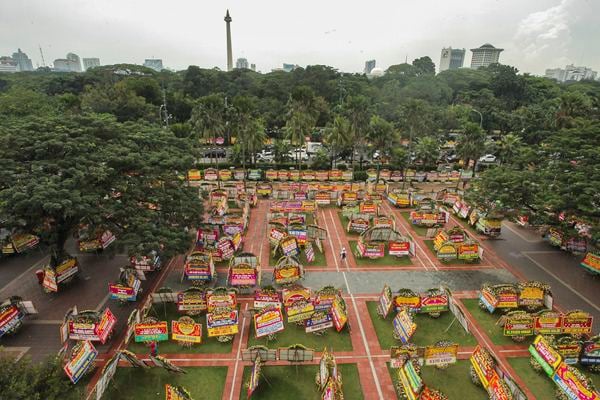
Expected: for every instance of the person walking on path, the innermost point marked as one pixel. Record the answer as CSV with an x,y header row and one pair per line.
x,y
343,254
154,348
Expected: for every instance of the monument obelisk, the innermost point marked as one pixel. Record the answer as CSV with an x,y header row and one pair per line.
x,y
229,52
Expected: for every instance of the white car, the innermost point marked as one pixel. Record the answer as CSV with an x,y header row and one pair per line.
x,y
298,153
488,158
266,156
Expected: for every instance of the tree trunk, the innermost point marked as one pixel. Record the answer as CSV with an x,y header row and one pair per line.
x,y
216,161
244,165
61,235
333,157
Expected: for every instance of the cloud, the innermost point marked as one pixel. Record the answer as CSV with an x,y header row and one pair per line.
x,y
546,31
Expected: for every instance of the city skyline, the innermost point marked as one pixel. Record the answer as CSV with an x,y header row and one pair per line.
x,y
535,36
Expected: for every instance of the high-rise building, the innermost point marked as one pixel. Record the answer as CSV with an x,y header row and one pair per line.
x,y
571,73
241,63
154,63
556,74
75,60
253,67
23,62
66,65
289,67
369,65
90,63
451,58
8,64
229,50
485,55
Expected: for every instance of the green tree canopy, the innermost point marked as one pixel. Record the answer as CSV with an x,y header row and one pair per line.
x,y
60,172
424,66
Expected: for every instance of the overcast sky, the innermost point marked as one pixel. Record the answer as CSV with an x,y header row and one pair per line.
x,y
535,34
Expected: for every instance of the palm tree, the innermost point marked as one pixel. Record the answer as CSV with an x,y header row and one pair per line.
x,y
572,105
414,112
338,135
471,143
509,146
298,124
208,119
255,137
357,111
243,122
427,150
381,135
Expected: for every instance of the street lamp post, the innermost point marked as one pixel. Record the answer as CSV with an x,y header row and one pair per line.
x,y
480,117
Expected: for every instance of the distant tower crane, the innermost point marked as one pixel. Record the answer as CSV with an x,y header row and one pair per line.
x,y
42,54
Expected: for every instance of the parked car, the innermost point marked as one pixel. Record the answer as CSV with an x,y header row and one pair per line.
x,y
313,147
298,153
451,157
265,157
488,158
215,153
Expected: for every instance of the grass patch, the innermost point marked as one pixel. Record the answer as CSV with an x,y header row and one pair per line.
x,y
291,382
428,331
419,230
538,382
386,260
429,244
292,334
594,377
318,261
135,383
208,345
454,382
344,221
487,322
465,225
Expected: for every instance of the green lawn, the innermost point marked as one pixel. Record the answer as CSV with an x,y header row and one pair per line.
x,y
344,221
454,382
319,260
538,382
429,244
595,378
292,334
208,345
386,260
291,382
419,230
465,225
135,383
428,331
487,323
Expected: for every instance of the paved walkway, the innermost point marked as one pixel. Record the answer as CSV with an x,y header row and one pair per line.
x,y
360,285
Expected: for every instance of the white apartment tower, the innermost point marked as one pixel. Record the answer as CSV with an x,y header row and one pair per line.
x,y
75,60
451,58
485,55
90,63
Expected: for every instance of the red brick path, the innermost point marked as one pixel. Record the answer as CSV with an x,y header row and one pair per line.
x,y
370,358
